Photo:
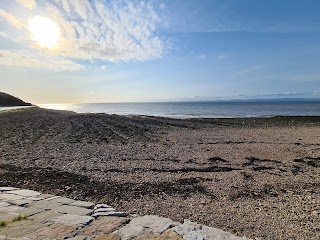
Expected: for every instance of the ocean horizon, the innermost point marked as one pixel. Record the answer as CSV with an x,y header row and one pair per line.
x,y
221,109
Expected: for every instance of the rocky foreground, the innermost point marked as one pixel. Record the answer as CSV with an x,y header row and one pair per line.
x,y
254,177
30,215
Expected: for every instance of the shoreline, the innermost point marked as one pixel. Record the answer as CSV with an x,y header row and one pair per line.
x,y
250,176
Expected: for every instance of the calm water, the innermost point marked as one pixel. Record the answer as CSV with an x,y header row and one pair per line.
x,y
198,109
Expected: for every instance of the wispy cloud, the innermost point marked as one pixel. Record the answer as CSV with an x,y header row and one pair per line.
x,y
27,3
111,31
26,59
11,19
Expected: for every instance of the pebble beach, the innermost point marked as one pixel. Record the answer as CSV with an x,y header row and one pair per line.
x,y
253,177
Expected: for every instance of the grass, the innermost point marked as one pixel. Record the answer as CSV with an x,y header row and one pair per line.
x,y
4,223
19,218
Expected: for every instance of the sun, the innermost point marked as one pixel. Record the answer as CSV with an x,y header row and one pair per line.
x,y
44,31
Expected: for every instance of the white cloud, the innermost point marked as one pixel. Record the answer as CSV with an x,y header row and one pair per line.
x,y
11,19
111,31
27,3
25,59
108,30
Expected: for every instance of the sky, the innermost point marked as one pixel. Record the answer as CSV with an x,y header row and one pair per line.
x,y
87,51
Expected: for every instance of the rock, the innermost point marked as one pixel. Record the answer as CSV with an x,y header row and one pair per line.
x,y
4,189
21,228
11,208
109,214
82,204
103,226
73,210
20,202
168,235
101,206
194,231
107,237
104,210
7,216
145,224
72,219
25,193
45,205
45,217
8,197
54,231
62,200
29,211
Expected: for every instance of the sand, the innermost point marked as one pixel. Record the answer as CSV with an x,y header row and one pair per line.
x,y
255,177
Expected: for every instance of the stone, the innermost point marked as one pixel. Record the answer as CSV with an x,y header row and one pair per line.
x,y
7,216
4,189
109,214
25,193
107,237
45,217
51,198
11,208
29,211
79,237
45,205
54,231
4,204
46,195
104,226
194,231
73,219
101,206
104,210
8,197
83,204
21,228
20,202
168,235
35,198
145,224
62,200
73,210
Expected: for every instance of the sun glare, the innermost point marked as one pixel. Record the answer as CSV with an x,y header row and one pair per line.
x,y
44,31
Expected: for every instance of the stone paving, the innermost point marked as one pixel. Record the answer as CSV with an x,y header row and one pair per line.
x,y
30,215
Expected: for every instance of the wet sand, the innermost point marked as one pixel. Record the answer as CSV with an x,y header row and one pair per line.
x,y
255,177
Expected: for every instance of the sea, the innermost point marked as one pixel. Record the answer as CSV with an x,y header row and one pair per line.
x,y
226,109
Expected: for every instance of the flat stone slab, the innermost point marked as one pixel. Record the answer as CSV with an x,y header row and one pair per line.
x,y
145,224
11,208
45,205
73,219
7,216
83,204
29,211
46,216
4,189
4,204
20,229
101,206
103,226
62,200
8,197
190,231
104,210
20,202
109,214
54,231
107,237
169,235
26,193
73,210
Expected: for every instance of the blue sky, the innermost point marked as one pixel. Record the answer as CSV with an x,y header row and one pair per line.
x,y
118,50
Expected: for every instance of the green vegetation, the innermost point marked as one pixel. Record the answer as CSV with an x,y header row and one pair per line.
x,y
3,223
19,218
